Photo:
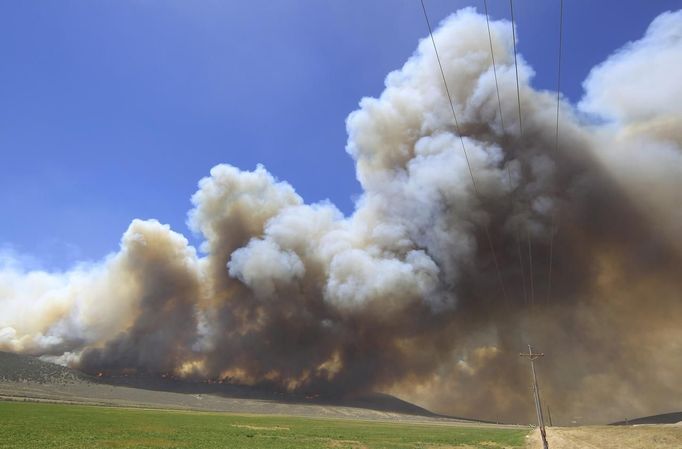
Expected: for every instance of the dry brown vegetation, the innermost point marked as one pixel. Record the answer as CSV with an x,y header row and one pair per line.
x,y
661,436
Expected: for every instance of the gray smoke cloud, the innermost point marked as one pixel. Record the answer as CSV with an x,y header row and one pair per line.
x,y
403,295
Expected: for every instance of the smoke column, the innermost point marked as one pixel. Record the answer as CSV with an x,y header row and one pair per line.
x,y
402,296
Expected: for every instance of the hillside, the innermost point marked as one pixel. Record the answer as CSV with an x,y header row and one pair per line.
x,y
664,418
22,368
27,378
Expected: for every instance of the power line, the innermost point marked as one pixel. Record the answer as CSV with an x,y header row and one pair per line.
x,y
499,105
556,146
466,155
492,56
523,271
530,265
518,98
516,66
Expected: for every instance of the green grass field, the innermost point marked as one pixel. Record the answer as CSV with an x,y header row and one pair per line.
x,y
39,425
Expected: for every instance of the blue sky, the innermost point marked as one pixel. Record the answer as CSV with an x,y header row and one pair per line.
x,y
113,110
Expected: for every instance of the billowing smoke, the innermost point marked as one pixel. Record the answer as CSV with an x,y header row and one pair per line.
x,y
404,295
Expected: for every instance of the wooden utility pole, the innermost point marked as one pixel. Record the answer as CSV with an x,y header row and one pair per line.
x,y
532,356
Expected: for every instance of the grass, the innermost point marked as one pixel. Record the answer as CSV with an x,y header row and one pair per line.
x,y
40,425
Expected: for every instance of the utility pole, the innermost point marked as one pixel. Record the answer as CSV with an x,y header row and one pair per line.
x,y
532,356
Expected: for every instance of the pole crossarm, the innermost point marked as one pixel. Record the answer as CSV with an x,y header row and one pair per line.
x,y
532,355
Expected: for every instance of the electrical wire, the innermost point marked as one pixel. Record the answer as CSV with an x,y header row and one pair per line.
x,y
518,98
466,155
499,105
556,147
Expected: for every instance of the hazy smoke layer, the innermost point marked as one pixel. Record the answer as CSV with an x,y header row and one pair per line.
x,y
403,295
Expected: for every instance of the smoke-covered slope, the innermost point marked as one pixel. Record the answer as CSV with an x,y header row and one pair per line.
x,y
23,369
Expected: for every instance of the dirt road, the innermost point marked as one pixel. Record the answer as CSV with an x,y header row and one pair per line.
x,y
663,436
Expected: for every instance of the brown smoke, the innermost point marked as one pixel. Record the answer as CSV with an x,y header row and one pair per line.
x,y
403,295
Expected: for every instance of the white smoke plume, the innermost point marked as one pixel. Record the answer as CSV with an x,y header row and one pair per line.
x,y
403,295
